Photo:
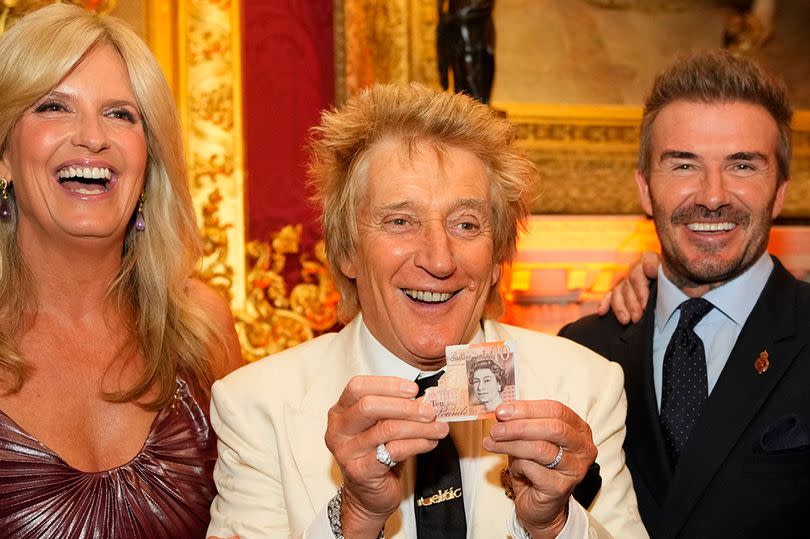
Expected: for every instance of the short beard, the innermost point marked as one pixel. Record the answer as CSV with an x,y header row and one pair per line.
x,y
710,271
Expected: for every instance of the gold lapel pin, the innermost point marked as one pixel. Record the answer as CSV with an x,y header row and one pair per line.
x,y
762,363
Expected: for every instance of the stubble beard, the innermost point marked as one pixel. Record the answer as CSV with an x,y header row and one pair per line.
x,y
709,268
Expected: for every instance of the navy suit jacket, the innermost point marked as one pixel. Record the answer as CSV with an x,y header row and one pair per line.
x,y
745,471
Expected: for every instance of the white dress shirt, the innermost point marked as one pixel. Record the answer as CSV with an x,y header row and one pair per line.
x,y
467,435
719,329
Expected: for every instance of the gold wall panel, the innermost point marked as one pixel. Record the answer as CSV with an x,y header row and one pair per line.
x,y
198,43
391,41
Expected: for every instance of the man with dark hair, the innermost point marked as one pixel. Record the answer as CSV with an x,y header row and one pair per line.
x,y
717,367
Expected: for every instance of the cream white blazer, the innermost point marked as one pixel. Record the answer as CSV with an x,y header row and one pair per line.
x,y
274,473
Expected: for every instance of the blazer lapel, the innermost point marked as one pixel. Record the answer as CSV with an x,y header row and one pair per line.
x,y
633,349
738,395
315,464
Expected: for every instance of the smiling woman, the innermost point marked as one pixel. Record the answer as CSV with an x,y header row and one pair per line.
x,y
108,346
78,155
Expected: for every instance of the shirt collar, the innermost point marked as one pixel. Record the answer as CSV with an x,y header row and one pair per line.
x,y
382,362
735,299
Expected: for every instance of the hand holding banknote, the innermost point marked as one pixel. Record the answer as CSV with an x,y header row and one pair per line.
x,y
372,411
550,449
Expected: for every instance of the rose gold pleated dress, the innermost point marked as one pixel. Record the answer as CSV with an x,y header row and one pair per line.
x,y
164,492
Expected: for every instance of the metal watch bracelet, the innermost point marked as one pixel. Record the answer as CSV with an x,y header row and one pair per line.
x,y
333,512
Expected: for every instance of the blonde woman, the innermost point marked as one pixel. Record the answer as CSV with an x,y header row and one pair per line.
x,y
108,346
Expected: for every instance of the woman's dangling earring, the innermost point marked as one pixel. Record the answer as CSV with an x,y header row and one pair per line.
x,y
140,224
5,205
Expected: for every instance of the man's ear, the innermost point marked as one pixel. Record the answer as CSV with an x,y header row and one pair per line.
x,y
496,274
644,193
348,267
779,199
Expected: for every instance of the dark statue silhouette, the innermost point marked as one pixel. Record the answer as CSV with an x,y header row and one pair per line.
x,y
465,40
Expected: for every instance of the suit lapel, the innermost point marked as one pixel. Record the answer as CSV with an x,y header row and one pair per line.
x,y
633,349
315,464
738,395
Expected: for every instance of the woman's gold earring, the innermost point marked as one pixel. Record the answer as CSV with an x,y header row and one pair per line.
x,y
140,224
5,205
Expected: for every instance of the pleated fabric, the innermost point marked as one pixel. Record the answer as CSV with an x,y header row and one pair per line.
x,y
164,492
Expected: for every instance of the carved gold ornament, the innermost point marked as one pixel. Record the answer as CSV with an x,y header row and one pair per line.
x,y
215,268
14,9
275,319
198,44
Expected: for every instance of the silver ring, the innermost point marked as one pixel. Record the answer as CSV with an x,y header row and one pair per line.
x,y
551,465
384,456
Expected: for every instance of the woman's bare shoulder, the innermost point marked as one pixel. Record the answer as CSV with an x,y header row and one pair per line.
x,y
215,305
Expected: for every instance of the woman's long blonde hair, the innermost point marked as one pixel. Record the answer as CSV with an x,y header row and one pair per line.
x,y
174,336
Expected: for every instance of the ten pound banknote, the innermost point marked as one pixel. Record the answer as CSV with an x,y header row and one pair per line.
x,y
477,378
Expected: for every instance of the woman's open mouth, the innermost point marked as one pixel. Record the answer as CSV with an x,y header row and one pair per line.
x,y
85,180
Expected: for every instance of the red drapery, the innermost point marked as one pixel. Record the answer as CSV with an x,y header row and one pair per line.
x,y
288,80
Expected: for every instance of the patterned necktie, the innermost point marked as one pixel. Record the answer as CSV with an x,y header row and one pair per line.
x,y
438,500
684,379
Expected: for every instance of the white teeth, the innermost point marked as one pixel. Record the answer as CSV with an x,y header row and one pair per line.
x,y
85,172
427,296
710,227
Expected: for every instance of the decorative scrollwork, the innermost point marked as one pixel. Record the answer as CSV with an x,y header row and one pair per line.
x,y
317,297
215,105
14,9
274,319
215,268
208,101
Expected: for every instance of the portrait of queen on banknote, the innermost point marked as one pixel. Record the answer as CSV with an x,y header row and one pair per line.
x,y
478,377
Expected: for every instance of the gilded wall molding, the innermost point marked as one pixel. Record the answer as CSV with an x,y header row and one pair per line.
x,y
392,41
277,316
198,43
